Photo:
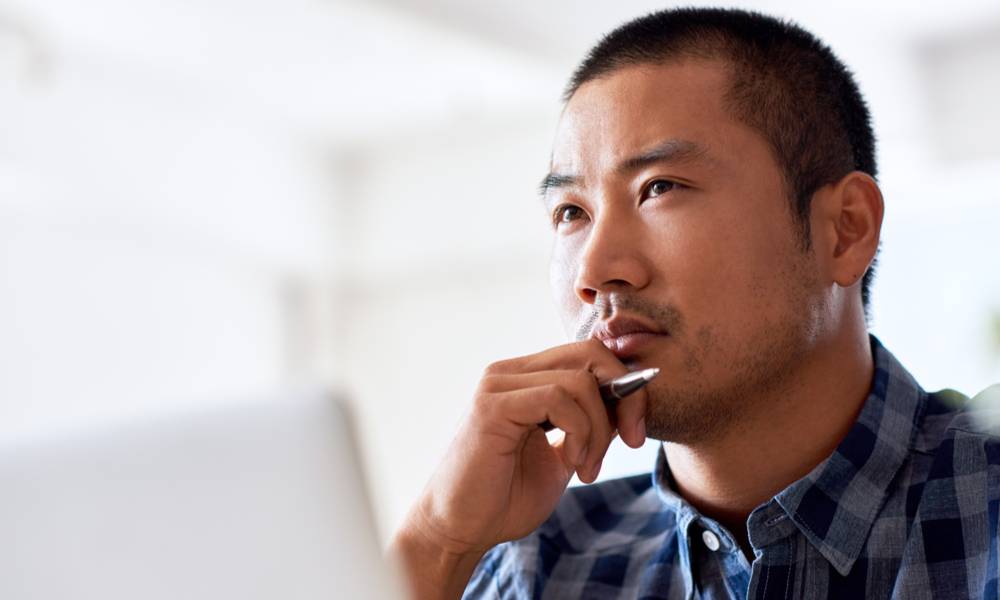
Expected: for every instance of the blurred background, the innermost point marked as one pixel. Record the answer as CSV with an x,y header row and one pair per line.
x,y
205,202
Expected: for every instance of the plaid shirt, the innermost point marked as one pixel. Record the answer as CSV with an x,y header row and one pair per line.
x,y
906,507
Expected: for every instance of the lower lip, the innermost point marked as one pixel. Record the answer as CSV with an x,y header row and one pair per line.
x,y
631,345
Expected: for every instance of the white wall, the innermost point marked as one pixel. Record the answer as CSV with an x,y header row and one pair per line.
x,y
147,238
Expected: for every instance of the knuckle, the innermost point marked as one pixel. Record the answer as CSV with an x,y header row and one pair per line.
x,y
596,364
556,393
583,378
487,383
494,368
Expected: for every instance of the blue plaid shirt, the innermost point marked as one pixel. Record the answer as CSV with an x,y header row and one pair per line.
x,y
906,507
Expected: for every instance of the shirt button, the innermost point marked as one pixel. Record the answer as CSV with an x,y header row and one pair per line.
x,y
711,540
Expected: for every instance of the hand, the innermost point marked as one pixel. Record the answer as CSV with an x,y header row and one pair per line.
x,y
501,478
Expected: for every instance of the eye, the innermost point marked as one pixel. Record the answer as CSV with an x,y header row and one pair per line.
x,y
566,213
658,187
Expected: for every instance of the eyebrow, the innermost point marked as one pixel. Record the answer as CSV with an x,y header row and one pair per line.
x,y
554,180
672,150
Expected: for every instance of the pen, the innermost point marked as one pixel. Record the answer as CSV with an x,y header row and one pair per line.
x,y
616,389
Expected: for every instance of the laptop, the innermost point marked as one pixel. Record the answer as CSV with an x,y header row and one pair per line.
x,y
251,501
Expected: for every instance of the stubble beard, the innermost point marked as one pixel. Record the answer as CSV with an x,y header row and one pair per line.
x,y
727,385
700,409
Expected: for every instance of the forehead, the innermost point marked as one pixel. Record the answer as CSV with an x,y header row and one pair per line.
x,y
634,108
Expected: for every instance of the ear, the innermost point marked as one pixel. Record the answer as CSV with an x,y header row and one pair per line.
x,y
847,224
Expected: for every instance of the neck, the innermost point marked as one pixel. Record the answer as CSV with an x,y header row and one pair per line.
x,y
799,426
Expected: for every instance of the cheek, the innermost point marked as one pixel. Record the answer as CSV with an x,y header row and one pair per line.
x,y
562,277
747,272
715,264
690,252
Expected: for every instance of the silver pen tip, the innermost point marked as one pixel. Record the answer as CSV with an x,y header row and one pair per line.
x,y
648,374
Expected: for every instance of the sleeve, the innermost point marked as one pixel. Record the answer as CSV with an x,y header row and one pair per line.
x,y
485,581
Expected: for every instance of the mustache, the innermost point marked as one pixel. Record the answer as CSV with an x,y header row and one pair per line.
x,y
665,316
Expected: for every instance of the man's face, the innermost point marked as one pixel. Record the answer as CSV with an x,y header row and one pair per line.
x,y
675,244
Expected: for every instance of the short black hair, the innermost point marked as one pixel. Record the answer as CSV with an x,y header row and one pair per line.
x,y
785,83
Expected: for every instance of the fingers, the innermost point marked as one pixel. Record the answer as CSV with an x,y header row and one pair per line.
x,y
590,355
581,387
568,373
531,405
631,418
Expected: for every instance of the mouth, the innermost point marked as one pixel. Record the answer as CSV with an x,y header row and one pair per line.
x,y
626,337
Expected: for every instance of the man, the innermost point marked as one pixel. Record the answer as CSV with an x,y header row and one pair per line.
x,y
715,215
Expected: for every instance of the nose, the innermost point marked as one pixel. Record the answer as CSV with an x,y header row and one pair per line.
x,y
612,258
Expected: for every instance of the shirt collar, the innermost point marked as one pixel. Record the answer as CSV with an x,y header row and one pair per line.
x,y
836,504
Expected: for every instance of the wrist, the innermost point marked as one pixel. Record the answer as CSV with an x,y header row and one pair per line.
x,y
432,569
